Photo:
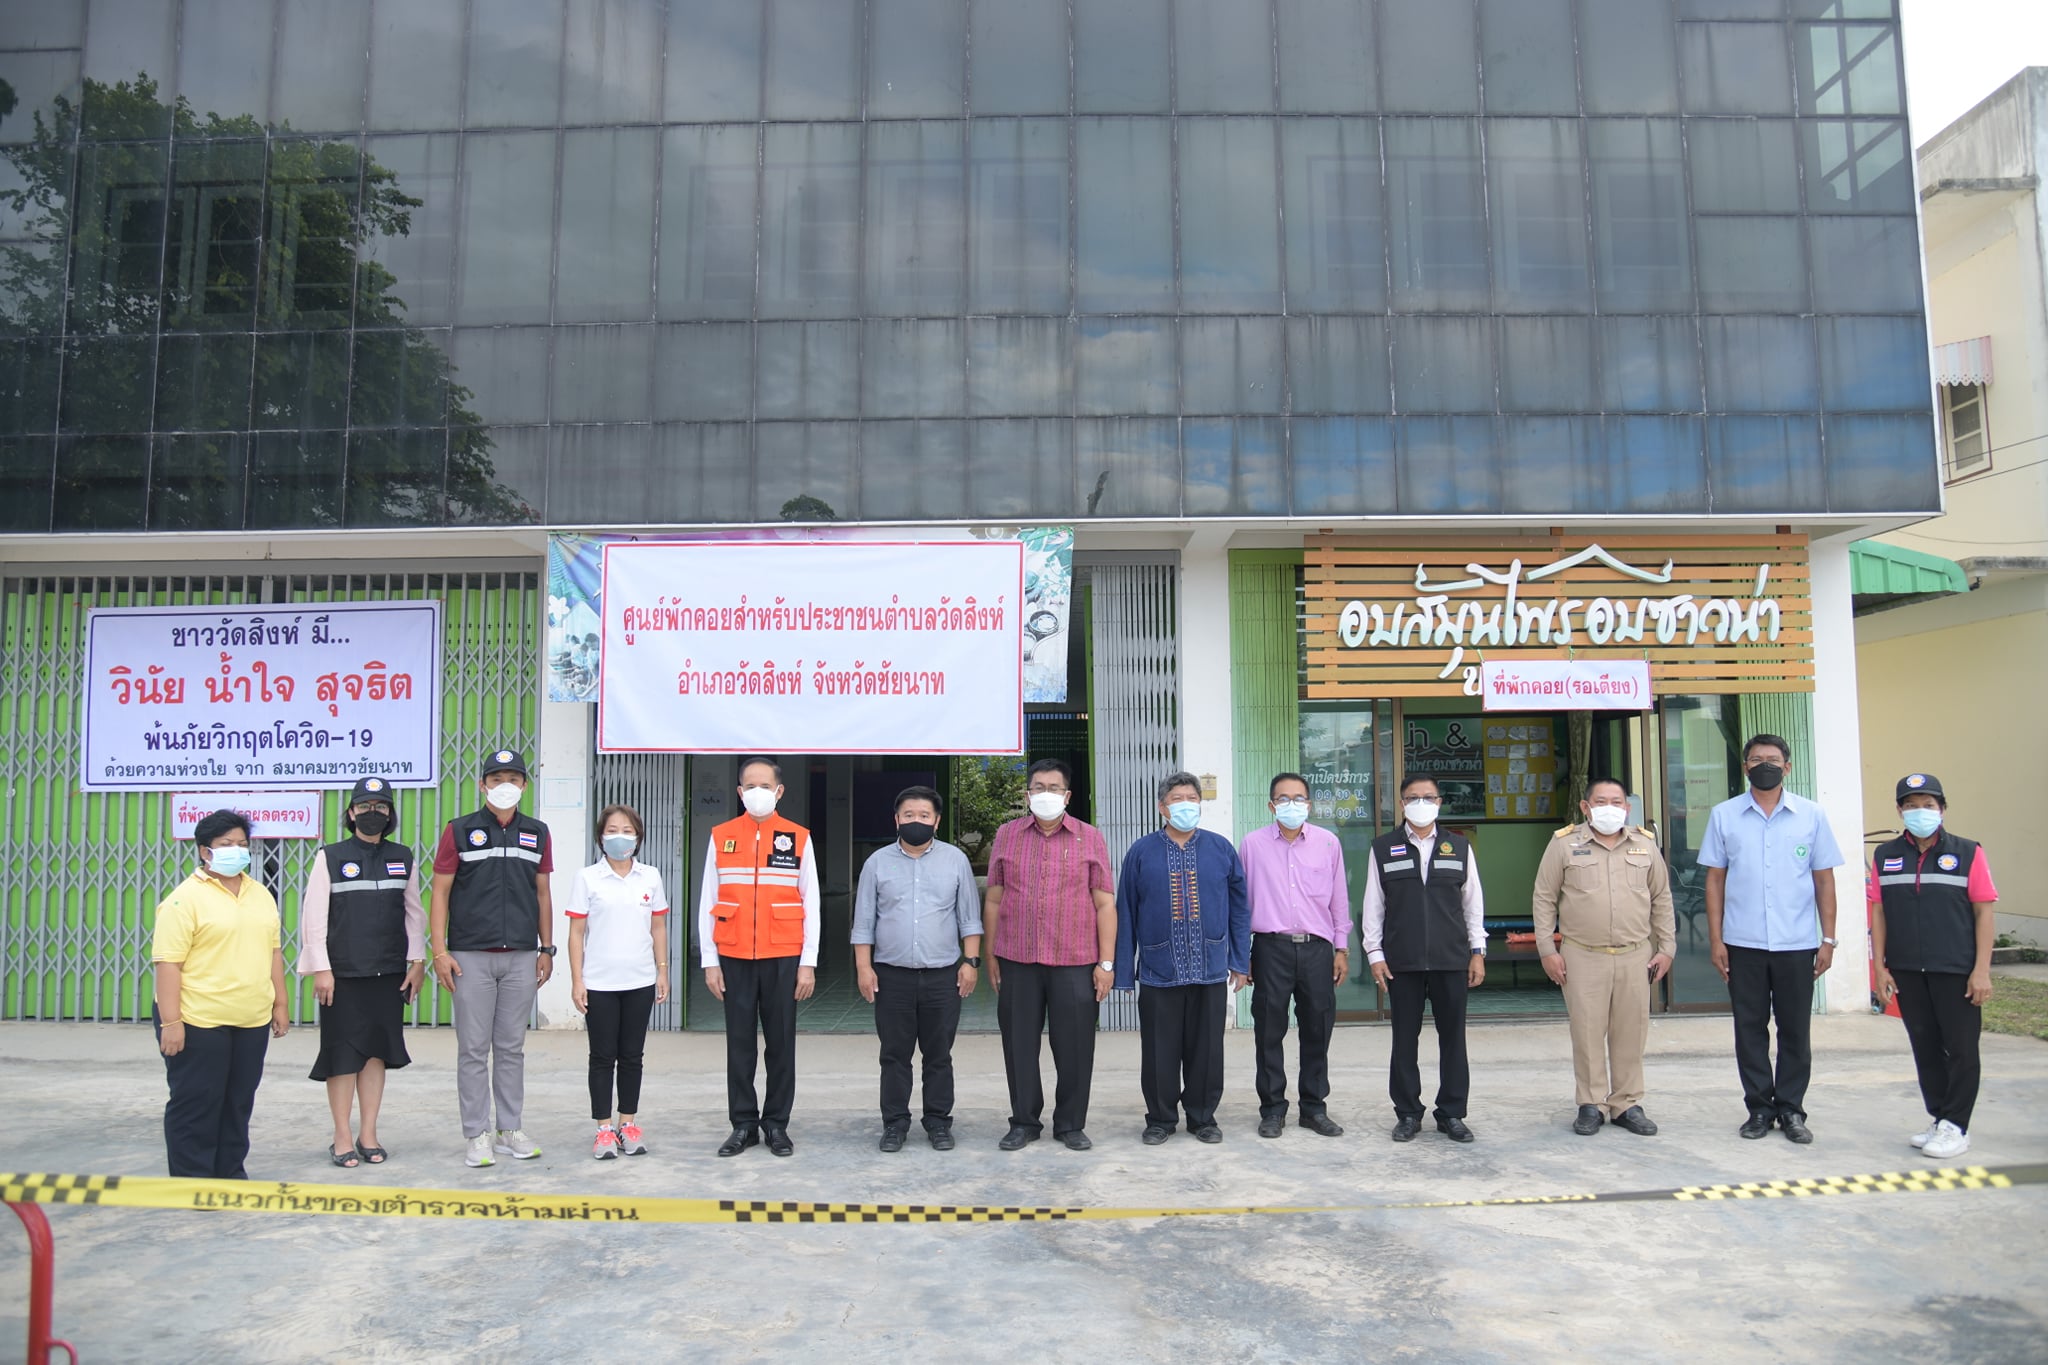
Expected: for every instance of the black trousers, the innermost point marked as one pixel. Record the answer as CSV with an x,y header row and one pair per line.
x,y
1059,1002
213,1082
1180,1040
1445,991
1302,975
917,1008
1944,1028
617,1025
1762,986
760,993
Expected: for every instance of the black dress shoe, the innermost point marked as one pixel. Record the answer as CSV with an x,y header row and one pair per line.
x,y
778,1141
1636,1121
1589,1120
893,1135
1015,1139
1156,1133
1271,1127
1758,1125
940,1138
744,1135
1322,1123
1209,1132
1454,1128
1796,1129
1077,1141
1406,1128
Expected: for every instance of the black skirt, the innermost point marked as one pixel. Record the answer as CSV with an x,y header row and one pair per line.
x,y
366,1020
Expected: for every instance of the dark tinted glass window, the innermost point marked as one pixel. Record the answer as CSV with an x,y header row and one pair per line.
x,y
197,483
214,237
1759,364
714,61
917,58
1124,194
1127,467
1443,364
1120,49
514,77
810,220
322,65
1327,62
1233,466
1429,57
916,219
1735,68
813,59
224,58
803,471
1219,48
807,369
605,261
611,62
414,45
1230,234
1538,206
1527,54
1019,366
1336,225
1642,249
1437,209
1019,216
603,374
1127,365
1231,365
1337,364
508,209
913,368
708,184
1628,57
913,471
1020,57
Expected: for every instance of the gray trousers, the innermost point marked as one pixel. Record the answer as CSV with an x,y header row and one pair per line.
x,y
493,1000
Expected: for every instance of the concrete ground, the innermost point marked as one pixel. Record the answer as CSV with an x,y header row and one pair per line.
x,y
1928,1277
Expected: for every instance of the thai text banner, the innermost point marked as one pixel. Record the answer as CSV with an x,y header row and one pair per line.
x,y
825,647
271,815
1565,685
252,699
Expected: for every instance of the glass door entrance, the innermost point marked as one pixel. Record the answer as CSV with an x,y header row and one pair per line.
x,y
1702,747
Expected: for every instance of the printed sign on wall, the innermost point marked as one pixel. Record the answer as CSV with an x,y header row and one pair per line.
x,y
244,699
271,815
818,647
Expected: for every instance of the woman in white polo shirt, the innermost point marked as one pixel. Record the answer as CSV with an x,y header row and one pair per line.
x,y
618,970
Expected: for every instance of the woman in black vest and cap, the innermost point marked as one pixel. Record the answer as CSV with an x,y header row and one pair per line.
x,y
362,940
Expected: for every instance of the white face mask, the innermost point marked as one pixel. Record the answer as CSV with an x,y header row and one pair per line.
x,y
1608,819
1048,806
1422,814
759,801
505,795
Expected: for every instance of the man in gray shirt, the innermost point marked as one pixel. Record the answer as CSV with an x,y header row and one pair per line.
x,y
916,947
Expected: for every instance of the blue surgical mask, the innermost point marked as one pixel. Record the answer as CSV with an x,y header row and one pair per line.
x,y
229,860
1292,814
1921,822
1184,815
620,846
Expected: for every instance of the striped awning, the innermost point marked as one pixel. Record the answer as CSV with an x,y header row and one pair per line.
x,y
1963,362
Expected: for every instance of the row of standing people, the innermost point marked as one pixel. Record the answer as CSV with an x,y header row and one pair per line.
x,y
1188,920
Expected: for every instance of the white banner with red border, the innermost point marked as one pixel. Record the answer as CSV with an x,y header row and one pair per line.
x,y
271,815
812,647
1565,685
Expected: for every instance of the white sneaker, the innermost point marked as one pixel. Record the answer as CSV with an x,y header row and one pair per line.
x,y
517,1145
1926,1135
631,1142
1948,1141
479,1153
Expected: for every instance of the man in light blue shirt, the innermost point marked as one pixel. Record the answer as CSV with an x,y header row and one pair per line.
x,y
1770,860
916,954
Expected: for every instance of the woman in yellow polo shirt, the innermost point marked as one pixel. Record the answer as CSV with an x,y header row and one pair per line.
x,y
219,1000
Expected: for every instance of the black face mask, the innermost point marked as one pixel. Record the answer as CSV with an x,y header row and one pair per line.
x,y
916,833
373,824
1766,776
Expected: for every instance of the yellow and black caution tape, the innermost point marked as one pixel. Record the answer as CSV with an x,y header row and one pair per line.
x,y
243,1196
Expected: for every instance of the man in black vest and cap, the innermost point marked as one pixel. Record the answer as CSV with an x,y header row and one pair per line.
x,y
1424,931
493,932
1931,931
362,937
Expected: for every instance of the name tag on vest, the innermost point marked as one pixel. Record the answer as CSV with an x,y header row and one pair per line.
x,y
783,851
1448,865
1405,865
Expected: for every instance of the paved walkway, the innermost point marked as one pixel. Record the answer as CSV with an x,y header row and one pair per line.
x,y
1900,1276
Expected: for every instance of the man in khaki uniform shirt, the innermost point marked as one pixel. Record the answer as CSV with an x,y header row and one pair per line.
x,y
1605,887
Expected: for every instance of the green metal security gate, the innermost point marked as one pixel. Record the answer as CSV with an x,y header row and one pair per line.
x,y
86,869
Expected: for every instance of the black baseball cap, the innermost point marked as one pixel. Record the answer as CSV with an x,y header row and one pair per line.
x,y
1918,784
503,761
371,789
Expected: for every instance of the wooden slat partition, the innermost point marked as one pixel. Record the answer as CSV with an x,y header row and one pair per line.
x,y
1705,630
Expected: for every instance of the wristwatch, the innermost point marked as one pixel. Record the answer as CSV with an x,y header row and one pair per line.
x,y
547,950
1106,966
1832,942
973,962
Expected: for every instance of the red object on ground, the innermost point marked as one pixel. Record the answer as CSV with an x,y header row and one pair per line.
x,y
42,1283
1891,1006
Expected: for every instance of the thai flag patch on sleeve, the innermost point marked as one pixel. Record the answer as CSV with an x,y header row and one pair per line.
x,y
394,869
1397,850
528,840
1894,865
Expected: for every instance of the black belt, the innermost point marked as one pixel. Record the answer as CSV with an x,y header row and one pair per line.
x,y
1291,938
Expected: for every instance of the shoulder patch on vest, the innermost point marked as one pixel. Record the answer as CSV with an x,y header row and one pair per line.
x,y
729,846
478,837
1559,834
351,869
1946,862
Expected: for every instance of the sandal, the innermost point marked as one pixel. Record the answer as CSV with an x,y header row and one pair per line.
x,y
374,1155
346,1160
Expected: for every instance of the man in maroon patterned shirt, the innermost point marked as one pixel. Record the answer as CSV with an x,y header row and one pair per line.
x,y
1050,917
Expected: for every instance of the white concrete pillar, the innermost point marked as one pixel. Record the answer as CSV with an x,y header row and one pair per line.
x,y
1838,769
1205,731
561,798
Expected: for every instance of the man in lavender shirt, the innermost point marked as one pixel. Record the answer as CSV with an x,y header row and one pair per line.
x,y
1301,930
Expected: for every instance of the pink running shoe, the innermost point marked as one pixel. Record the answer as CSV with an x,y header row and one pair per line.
x,y
606,1146
629,1140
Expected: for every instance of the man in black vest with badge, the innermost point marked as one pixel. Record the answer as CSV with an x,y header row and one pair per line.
x,y
1424,932
493,939
1932,926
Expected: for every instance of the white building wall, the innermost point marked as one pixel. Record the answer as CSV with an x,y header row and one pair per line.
x,y
561,785
1205,730
1838,769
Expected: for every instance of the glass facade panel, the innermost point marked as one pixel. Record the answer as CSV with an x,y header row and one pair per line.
x,y
1210,41
202,383
1760,464
224,57
505,372
813,59
1336,225
1018,242
1653,464
399,378
807,369
1735,68
197,483
1127,365
101,483
1751,264
505,255
917,59
603,374
1233,466
1344,464
1230,365
414,44
1019,51
714,62
1021,468
1642,250
1878,462
611,62
1447,464
1436,199
1019,367
913,368
803,471
1120,49
1337,365
394,478
130,41
1429,57
916,219
1850,69
708,184
1538,207
1856,166
1546,365
913,471
1127,467
1229,233
1526,48
1759,364
27,474
1628,57
1865,265
497,476
1649,364
1743,166
214,235
1327,64
1873,365
514,75
1123,183
294,479
604,265
704,371
407,265
705,473
810,220
300,381
1443,364
632,490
